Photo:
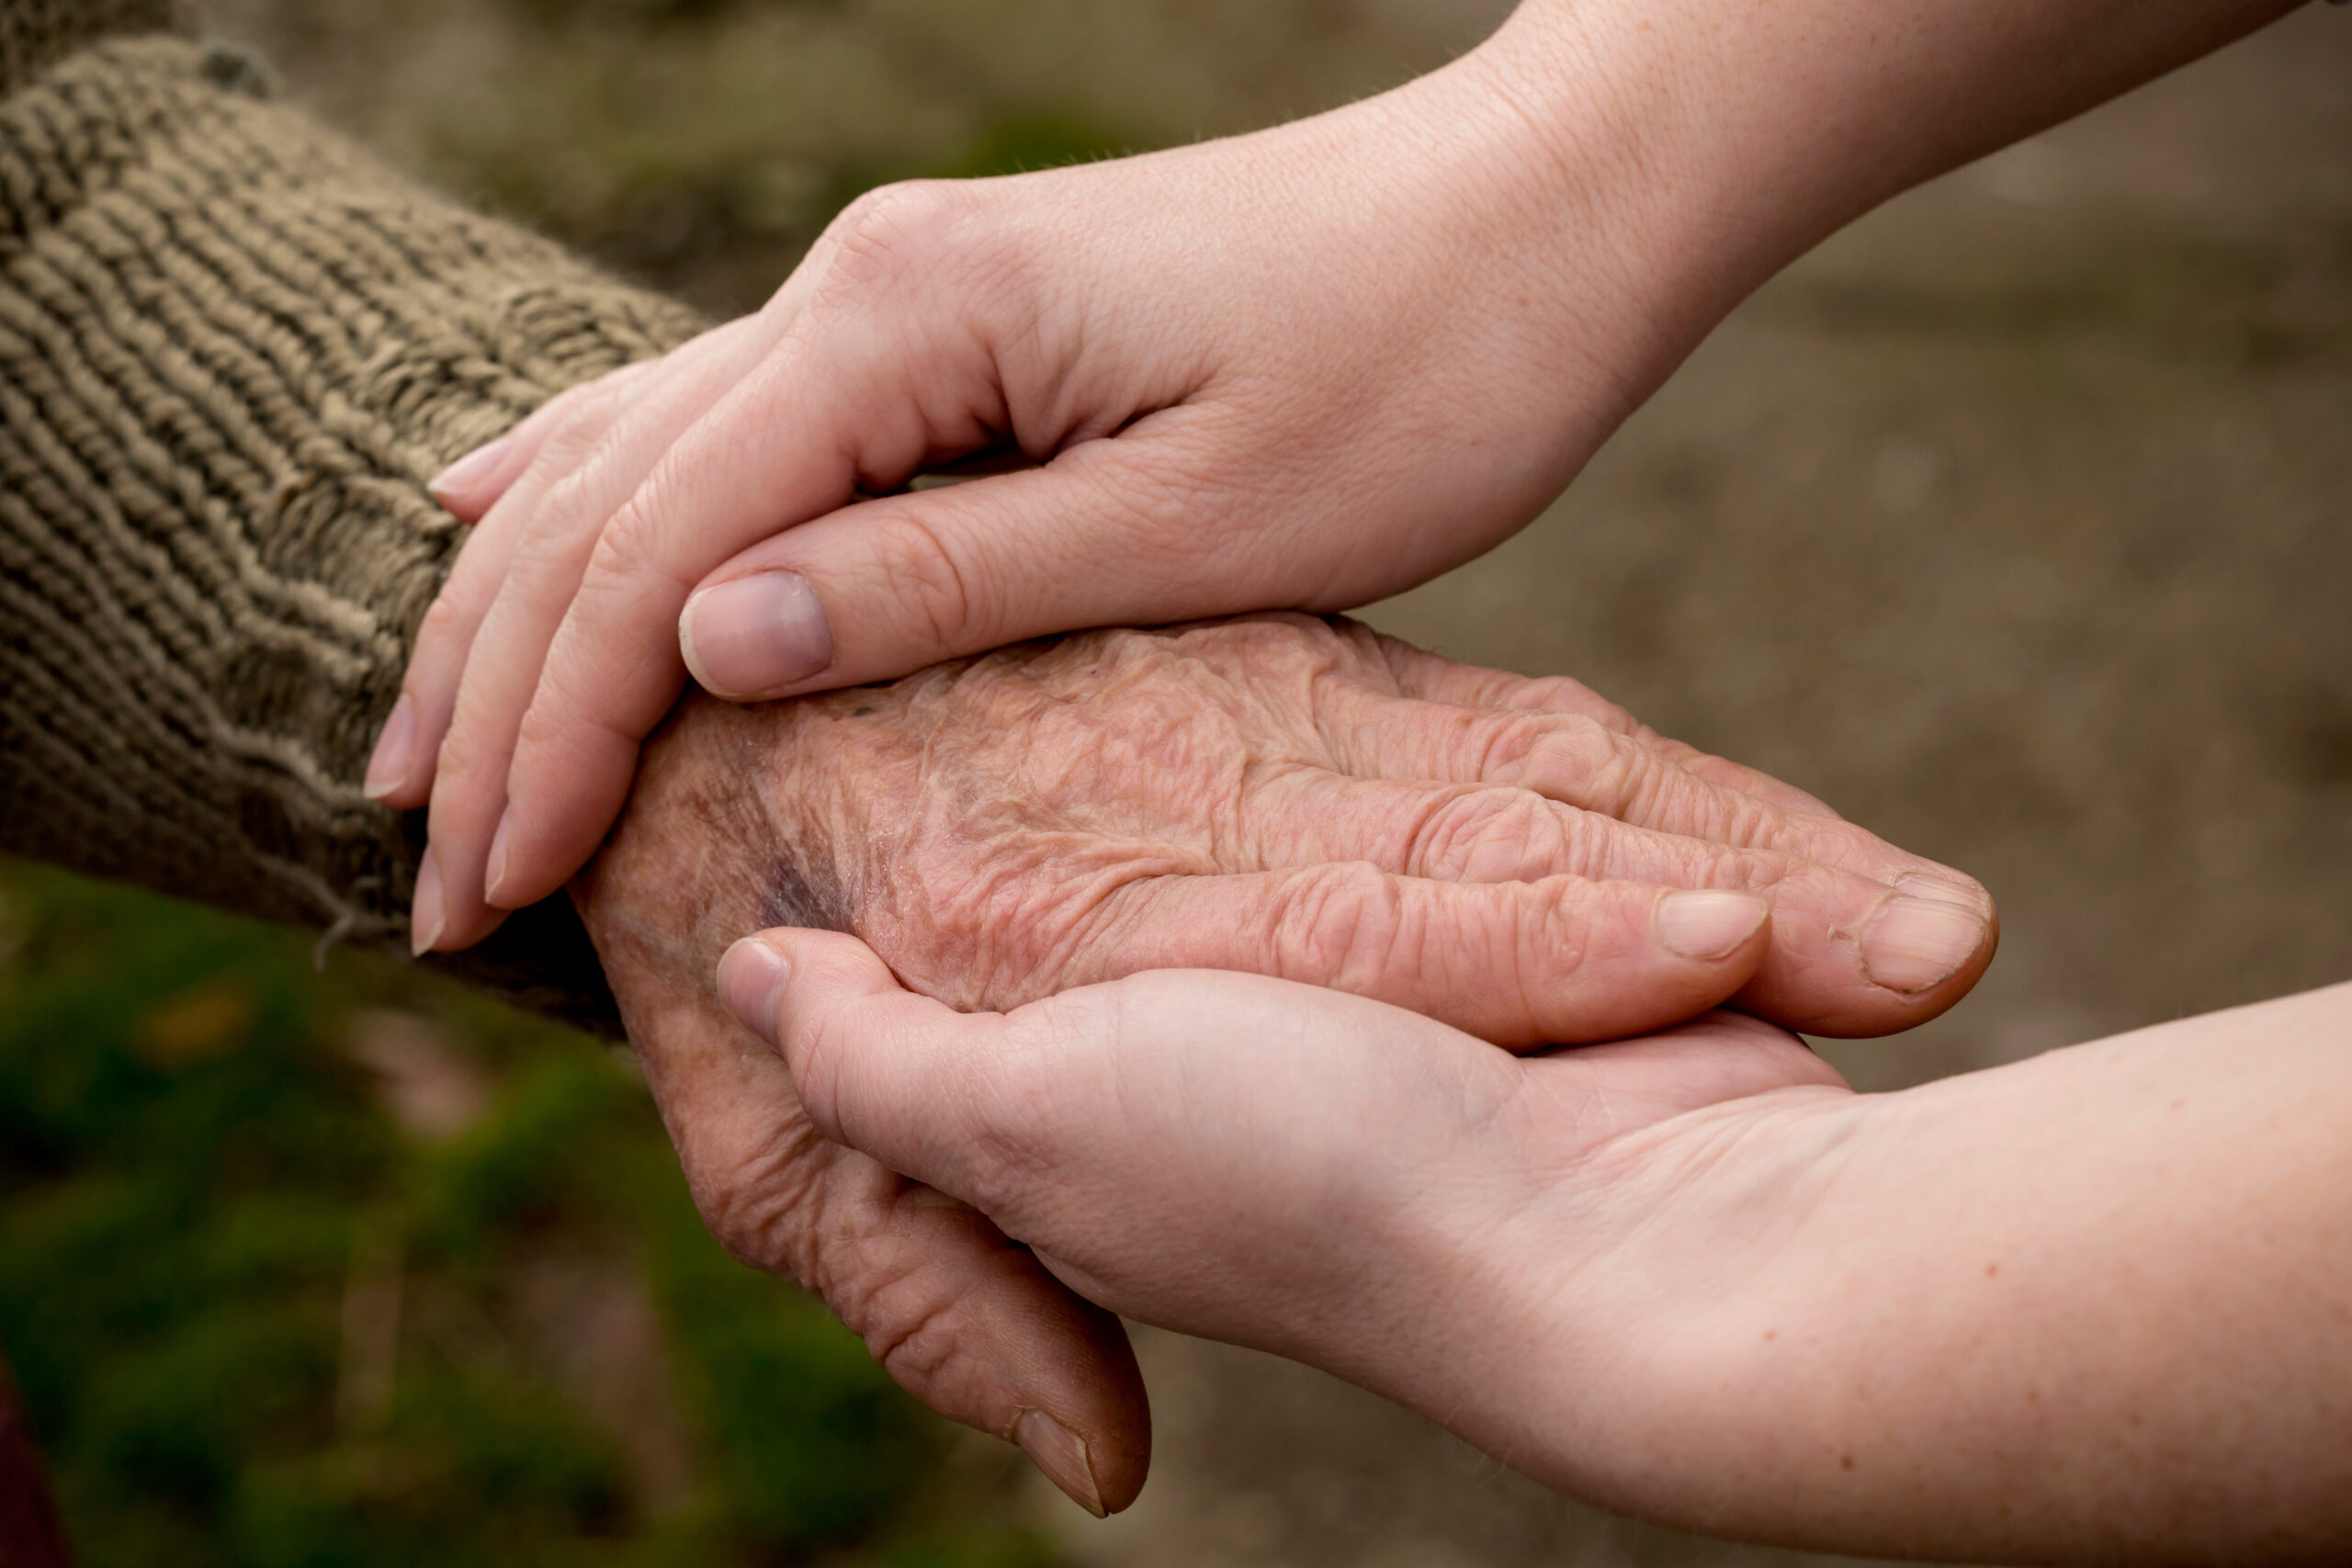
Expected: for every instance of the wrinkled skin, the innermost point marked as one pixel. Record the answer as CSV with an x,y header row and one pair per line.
x,y
1282,795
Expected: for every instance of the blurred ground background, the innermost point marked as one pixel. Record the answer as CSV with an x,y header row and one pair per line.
x,y
2012,522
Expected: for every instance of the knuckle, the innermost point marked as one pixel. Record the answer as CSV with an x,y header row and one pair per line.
x,y
1339,925
571,505
1560,694
568,489
893,235
912,1327
1579,759
1564,937
1731,817
559,727
1491,835
540,728
582,704
578,431
810,1049
629,552
760,1204
466,754
561,412
446,617
552,549
925,579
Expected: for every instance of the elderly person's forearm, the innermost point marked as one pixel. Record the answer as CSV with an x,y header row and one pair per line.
x,y
233,349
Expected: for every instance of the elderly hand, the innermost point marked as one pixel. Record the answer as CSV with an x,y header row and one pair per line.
x,y
1280,795
1302,368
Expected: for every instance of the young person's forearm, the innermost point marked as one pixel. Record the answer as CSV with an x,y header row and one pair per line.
x,y
1718,144
1817,109
2090,1307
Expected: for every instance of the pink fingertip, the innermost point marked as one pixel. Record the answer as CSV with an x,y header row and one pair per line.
x,y
427,916
495,872
388,769
454,485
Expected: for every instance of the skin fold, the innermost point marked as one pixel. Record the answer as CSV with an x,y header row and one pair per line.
x,y
1258,795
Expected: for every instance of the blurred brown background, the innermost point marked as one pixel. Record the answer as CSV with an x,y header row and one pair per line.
x,y
2012,521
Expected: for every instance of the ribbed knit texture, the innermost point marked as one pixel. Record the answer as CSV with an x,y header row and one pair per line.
x,y
35,34
234,348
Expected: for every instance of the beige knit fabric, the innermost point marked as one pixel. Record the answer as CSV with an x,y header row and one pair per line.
x,y
233,347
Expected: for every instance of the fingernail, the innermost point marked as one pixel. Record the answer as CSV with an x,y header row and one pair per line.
x,y
495,870
1709,925
1915,943
426,919
752,979
1953,888
747,637
388,766
1061,1454
453,480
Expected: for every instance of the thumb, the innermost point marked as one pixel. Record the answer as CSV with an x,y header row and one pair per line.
x,y
877,1068
876,590
962,1317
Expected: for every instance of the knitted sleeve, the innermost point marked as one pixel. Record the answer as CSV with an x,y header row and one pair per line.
x,y
232,350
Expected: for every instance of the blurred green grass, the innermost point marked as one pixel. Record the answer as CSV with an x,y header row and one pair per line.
x,y
259,1317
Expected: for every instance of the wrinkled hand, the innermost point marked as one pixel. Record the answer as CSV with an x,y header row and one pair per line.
x,y
1279,794
1302,368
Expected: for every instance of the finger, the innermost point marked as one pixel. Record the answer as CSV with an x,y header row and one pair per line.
x,y
1847,957
875,591
401,770
1848,954
1205,1151
1713,1058
1432,678
963,1319
481,678
857,1040
541,453
1519,963
469,487
1450,832
1586,761
869,591
829,411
